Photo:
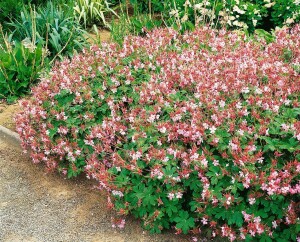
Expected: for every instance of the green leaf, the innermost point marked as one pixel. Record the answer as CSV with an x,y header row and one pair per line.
x,y
184,222
171,209
236,218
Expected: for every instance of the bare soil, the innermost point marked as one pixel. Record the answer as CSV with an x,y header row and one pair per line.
x,y
7,113
104,36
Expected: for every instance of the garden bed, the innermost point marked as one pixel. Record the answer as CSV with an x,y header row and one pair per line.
x,y
192,131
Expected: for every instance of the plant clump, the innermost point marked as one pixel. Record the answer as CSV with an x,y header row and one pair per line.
x,y
190,131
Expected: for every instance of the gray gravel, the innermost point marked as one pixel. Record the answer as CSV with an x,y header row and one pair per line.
x,y
38,207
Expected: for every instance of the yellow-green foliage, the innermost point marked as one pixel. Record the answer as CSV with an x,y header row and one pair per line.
x,y
93,11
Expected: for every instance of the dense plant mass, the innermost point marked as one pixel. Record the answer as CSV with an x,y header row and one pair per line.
x,y
93,11
246,14
20,64
9,9
52,26
191,131
34,38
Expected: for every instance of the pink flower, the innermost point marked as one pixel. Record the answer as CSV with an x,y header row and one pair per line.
x,y
204,221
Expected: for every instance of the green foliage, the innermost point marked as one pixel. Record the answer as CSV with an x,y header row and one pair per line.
x,y
20,65
9,9
145,6
54,27
91,12
268,37
284,11
132,25
246,14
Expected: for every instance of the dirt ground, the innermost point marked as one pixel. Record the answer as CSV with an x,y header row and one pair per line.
x,y
104,36
6,115
40,207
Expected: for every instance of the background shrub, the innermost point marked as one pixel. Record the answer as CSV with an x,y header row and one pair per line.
x,y
194,131
133,25
20,64
9,9
52,26
246,14
92,12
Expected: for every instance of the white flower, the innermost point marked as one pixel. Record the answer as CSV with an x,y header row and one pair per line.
x,y
197,6
194,156
204,162
287,102
205,125
240,132
28,44
184,18
171,195
215,162
222,104
236,9
252,201
254,21
166,159
260,160
163,130
238,105
289,21
179,195
212,129
117,193
152,118
174,12
269,5
204,221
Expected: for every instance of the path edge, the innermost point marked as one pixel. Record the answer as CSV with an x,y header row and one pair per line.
x,y
10,137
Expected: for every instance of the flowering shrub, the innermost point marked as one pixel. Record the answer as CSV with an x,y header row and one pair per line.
x,y
191,131
246,14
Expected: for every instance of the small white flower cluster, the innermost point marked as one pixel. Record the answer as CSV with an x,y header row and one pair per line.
x,y
231,13
117,193
173,195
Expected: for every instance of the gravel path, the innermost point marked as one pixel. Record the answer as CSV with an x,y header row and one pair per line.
x,y
38,207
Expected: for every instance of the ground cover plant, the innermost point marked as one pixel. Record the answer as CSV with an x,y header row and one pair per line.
x,y
190,131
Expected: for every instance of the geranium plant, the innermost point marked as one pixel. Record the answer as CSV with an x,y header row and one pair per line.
x,y
191,131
